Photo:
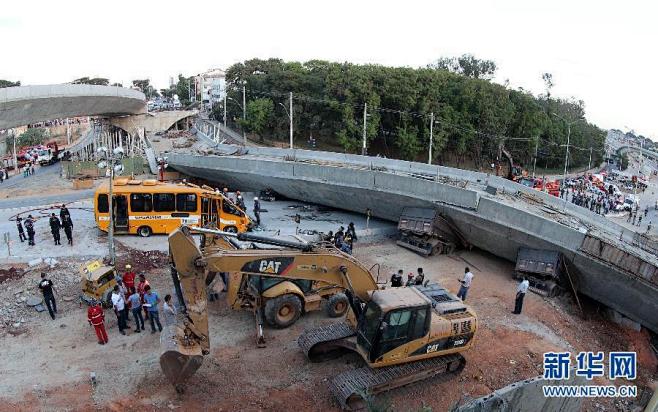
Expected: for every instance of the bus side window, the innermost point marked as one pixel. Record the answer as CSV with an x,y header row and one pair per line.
x,y
141,202
164,202
103,204
186,202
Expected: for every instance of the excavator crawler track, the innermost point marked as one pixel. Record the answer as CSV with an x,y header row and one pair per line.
x,y
350,387
320,344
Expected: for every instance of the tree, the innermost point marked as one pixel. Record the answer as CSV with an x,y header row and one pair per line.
x,y
168,93
117,84
146,88
467,65
259,116
548,83
8,83
623,162
32,137
99,81
183,89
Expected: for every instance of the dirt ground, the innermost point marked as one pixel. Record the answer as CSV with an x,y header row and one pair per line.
x,y
47,365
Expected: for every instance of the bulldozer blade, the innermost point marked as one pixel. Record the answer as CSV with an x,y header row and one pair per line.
x,y
178,363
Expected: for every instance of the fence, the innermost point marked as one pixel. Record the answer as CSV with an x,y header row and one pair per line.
x,y
74,169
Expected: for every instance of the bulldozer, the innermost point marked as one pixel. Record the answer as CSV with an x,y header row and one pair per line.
x,y
403,335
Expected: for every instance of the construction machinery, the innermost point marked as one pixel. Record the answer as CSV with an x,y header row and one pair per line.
x,y
403,334
542,268
427,232
280,301
96,283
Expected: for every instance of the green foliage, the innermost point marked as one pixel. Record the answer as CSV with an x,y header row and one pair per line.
x,y
99,81
8,83
183,90
32,137
473,116
467,65
117,84
146,88
259,116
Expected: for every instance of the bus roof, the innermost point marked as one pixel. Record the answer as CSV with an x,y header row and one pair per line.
x,y
127,185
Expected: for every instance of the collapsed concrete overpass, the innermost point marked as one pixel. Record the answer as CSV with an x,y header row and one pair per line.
x,y
648,153
32,104
493,213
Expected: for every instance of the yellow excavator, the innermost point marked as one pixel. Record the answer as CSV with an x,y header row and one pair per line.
x,y
404,335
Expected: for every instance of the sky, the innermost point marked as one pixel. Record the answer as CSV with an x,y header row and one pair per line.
x,y
601,52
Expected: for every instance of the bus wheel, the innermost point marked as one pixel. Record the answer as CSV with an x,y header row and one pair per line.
x,y
144,231
231,229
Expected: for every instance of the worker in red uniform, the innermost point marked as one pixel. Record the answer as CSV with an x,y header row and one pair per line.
x,y
143,283
129,278
96,318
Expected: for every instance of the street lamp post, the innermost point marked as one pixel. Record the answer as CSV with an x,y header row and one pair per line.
x,y
566,155
429,159
111,160
365,117
244,117
244,112
289,113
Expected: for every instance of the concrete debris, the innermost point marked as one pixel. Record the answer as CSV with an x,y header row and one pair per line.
x,y
35,262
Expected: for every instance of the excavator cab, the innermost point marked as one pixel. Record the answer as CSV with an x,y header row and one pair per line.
x,y
380,331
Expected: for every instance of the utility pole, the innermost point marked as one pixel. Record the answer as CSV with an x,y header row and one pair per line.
x,y
13,135
244,112
429,160
534,164
566,156
365,115
225,94
589,166
290,120
110,230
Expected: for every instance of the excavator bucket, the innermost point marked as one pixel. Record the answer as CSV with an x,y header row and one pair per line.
x,y
178,363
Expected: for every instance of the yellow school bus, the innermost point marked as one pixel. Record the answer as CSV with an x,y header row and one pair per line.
x,y
145,207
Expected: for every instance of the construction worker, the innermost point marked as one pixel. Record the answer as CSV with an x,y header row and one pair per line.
x,y
48,291
257,210
55,225
396,279
239,201
521,290
129,277
67,224
29,226
19,226
96,318
465,284
351,232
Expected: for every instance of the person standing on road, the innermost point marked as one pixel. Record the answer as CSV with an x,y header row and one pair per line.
x,y
135,302
63,211
465,284
96,318
19,226
48,290
29,226
169,311
396,279
646,211
129,277
119,304
639,220
257,210
152,300
520,295
55,225
67,223
141,289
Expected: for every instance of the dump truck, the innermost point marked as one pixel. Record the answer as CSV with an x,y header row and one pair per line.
x,y
542,268
420,230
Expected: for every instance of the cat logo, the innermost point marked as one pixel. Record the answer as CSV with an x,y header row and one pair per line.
x,y
269,266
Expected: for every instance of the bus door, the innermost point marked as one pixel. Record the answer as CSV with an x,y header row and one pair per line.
x,y
120,206
205,211
214,211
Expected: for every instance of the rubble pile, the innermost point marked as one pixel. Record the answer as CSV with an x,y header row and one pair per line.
x,y
16,291
141,261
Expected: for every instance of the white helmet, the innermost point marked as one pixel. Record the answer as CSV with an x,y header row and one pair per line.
x,y
255,198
